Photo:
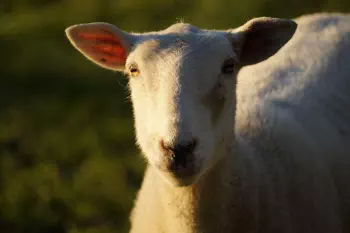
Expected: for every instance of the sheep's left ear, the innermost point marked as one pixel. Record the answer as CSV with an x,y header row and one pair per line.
x,y
102,43
260,38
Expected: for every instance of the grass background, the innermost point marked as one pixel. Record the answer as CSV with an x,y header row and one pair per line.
x,y
68,161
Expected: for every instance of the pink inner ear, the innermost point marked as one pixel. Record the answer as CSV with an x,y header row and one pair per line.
x,y
103,46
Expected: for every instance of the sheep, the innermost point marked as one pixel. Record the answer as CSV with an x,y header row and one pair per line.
x,y
244,130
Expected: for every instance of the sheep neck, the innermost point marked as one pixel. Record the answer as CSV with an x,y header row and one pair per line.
x,y
212,204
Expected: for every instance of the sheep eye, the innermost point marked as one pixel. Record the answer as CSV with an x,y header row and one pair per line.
x,y
228,66
134,70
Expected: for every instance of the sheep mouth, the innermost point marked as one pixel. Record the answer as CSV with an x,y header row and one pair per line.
x,y
182,172
183,167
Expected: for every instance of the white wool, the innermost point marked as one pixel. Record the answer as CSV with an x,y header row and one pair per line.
x,y
290,170
273,150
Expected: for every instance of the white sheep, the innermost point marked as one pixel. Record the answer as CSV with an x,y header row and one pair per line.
x,y
261,149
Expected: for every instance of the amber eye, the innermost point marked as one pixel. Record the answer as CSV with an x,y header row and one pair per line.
x,y
228,66
134,70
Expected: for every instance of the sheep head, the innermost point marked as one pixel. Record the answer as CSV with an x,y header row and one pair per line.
x,y
182,82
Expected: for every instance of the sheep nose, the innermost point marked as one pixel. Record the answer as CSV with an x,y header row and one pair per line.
x,y
181,153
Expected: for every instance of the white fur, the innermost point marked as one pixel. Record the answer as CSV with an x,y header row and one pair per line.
x,y
275,158
290,170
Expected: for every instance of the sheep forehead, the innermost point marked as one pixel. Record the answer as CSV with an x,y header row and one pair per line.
x,y
181,28
169,45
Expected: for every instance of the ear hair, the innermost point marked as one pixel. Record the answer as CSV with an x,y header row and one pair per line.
x,y
260,38
102,43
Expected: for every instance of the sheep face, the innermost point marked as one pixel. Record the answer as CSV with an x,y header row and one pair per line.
x,y
182,83
182,87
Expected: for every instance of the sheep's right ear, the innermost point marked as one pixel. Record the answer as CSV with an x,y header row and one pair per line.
x,y
102,43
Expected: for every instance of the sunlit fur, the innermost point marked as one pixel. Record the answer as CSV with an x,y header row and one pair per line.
x,y
288,168
174,96
273,140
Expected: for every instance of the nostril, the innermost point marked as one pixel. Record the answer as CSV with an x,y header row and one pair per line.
x,y
164,146
186,148
183,148
180,157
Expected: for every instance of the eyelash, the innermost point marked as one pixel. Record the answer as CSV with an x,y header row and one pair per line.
x,y
227,68
132,71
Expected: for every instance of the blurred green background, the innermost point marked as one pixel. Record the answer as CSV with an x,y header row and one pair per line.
x,y
68,161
